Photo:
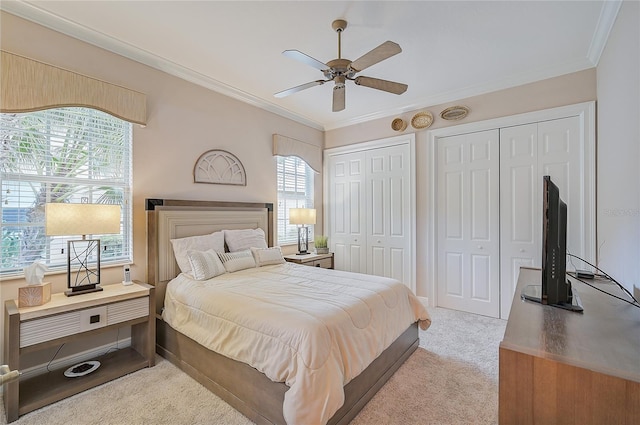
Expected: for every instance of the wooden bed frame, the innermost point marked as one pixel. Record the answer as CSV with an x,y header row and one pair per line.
x,y
240,385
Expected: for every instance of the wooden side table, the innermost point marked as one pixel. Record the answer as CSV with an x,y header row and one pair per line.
x,y
65,319
314,260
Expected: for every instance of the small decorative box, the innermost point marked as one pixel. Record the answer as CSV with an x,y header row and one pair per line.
x,y
34,295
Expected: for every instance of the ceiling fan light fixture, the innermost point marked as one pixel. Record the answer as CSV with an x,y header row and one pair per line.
x,y
338,98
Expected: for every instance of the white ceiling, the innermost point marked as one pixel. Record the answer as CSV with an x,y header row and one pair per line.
x,y
451,49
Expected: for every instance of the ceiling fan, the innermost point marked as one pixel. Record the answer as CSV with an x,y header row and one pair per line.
x,y
340,70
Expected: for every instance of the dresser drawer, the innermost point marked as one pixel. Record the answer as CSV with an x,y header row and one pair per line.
x,y
325,263
60,325
127,310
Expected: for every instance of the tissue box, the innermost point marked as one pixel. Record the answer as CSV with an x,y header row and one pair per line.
x,y
34,295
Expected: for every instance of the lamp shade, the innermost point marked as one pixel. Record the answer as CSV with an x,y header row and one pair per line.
x,y
302,216
81,219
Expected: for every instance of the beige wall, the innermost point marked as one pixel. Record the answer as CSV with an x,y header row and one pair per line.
x,y
560,91
619,150
565,90
184,120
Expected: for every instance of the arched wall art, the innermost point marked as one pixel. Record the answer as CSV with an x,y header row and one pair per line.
x,y
219,167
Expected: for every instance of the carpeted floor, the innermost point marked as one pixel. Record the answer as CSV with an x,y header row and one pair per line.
x,y
451,379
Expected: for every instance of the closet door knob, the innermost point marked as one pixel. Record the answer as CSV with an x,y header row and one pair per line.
x,y
522,249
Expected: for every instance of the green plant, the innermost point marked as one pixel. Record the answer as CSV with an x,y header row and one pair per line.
x,y
320,241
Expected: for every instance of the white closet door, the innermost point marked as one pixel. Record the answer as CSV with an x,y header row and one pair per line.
x,y
528,152
560,150
388,212
468,222
520,208
346,211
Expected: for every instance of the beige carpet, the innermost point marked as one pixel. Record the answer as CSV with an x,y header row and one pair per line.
x,y
451,379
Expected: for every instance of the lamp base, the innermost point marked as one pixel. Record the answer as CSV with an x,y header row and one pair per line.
x,y
85,289
303,240
82,369
303,253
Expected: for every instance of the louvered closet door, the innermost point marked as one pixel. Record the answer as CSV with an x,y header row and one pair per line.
x,y
388,212
468,222
346,211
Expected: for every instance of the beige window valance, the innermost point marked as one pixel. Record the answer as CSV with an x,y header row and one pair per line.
x,y
29,85
286,146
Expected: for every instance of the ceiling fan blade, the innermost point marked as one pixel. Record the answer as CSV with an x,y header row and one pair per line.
x,y
301,87
380,53
338,98
299,56
384,85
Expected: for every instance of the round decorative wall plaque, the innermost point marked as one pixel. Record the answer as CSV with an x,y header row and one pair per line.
x,y
398,124
422,120
454,113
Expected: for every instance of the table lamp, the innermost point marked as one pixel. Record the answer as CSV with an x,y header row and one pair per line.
x,y
302,217
83,256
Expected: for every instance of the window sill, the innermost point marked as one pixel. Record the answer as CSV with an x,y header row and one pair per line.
x,y
20,276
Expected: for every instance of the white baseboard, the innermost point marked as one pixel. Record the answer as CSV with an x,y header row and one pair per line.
x,y
75,358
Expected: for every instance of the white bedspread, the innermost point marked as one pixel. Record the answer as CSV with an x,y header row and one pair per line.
x,y
311,328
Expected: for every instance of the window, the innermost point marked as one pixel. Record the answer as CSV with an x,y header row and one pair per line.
x,y
295,190
61,155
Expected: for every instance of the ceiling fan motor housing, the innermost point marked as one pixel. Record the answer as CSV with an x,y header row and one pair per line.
x,y
339,67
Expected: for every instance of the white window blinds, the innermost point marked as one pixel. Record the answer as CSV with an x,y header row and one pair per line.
x,y
295,190
71,155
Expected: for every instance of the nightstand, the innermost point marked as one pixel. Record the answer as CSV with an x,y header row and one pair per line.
x,y
65,319
314,260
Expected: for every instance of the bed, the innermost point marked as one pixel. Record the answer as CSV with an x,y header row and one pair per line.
x,y
246,387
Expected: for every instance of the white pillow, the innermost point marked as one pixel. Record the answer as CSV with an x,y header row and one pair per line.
x,y
182,246
205,264
240,240
266,256
239,260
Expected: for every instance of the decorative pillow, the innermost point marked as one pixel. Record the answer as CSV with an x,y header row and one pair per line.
x,y
205,264
239,260
240,240
266,256
182,246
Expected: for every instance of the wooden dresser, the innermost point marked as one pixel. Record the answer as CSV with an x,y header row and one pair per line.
x,y
561,367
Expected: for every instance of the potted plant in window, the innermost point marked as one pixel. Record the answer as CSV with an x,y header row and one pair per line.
x,y
320,243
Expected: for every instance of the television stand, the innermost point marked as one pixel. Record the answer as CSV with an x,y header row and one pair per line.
x,y
534,293
560,367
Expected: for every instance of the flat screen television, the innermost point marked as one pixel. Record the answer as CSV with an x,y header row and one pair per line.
x,y
555,289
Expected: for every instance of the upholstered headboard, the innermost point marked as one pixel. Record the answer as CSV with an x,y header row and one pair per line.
x,y
171,219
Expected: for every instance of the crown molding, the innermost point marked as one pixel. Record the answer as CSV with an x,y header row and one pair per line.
x,y
608,15
57,23
35,14
459,95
